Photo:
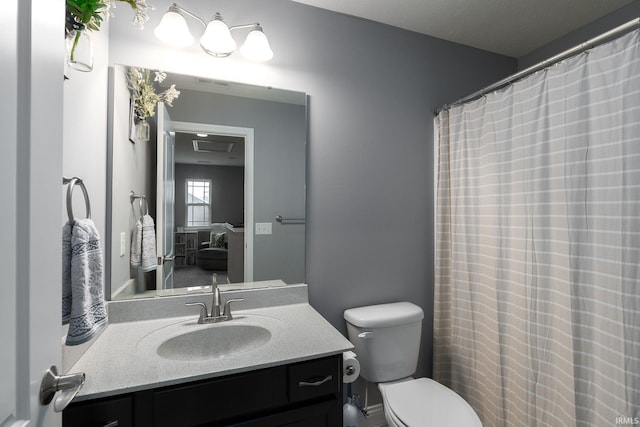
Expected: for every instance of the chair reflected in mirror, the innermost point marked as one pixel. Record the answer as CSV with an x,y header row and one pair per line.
x,y
213,251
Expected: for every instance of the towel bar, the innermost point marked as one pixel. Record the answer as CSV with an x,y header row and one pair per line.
x,y
285,221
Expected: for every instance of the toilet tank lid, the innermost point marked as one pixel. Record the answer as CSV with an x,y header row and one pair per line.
x,y
384,315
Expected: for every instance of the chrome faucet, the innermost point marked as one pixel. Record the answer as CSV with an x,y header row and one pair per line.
x,y
215,304
214,315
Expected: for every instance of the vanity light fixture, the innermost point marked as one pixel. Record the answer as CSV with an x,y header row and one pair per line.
x,y
216,39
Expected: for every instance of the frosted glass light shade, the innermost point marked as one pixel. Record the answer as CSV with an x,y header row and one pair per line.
x,y
217,40
256,46
173,30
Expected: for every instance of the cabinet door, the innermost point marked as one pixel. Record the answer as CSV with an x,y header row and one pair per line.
x,y
325,414
100,413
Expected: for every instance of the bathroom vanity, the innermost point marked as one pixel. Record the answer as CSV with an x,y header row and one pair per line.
x,y
265,397
276,363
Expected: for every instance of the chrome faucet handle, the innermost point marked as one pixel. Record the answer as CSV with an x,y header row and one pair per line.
x,y
227,308
203,310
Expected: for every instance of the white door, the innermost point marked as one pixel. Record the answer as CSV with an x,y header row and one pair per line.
x,y
165,198
31,216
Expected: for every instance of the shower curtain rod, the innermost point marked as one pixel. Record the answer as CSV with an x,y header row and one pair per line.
x,y
550,61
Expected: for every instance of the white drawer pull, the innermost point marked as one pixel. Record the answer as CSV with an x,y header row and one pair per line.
x,y
316,383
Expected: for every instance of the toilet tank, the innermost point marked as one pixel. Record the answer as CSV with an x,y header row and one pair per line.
x,y
386,338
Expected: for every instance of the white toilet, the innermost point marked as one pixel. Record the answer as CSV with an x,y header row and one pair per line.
x,y
387,341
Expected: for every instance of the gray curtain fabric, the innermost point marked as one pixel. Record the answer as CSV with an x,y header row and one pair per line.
x,y
537,295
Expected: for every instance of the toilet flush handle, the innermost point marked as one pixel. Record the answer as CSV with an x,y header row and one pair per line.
x,y
365,335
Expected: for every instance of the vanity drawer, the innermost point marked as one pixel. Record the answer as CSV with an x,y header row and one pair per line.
x,y
115,412
316,378
212,402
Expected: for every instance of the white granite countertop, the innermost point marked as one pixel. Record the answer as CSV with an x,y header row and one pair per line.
x,y
121,359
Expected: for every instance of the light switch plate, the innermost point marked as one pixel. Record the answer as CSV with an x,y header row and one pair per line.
x,y
123,243
263,228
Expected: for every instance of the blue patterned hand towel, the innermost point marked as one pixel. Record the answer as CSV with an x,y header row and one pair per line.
x,y
66,272
83,298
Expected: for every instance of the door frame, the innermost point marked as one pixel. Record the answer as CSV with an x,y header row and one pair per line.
x,y
33,213
249,147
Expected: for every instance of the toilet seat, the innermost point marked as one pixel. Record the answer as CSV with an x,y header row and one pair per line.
x,y
423,402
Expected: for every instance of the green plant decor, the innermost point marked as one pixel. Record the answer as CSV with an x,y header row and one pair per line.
x,y
89,15
144,93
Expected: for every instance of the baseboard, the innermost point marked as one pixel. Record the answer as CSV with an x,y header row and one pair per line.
x,y
375,416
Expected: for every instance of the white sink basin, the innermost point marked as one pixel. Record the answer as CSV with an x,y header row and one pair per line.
x,y
189,341
215,341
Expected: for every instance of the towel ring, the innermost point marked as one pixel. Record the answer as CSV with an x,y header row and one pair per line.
x,y
72,183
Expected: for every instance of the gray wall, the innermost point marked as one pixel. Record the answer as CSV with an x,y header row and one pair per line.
x,y
84,148
372,91
227,191
593,29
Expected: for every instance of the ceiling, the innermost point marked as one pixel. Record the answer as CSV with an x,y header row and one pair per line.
x,y
219,150
508,27
223,87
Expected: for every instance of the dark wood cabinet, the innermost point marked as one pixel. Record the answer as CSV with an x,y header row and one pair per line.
x,y
305,394
108,412
316,415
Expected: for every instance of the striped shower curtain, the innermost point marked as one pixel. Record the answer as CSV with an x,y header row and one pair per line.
x,y
537,287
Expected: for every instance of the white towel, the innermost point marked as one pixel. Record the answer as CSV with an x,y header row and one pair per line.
x,y
66,272
143,245
84,308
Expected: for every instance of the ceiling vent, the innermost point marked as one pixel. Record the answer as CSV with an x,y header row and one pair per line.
x,y
212,146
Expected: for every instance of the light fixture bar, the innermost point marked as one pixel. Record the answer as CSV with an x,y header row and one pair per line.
x,y
216,39
237,27
204,24
186,12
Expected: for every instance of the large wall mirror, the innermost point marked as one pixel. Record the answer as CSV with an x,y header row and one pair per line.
x,y
222,178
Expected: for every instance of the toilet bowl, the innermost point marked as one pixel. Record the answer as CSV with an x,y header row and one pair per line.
x,y
386,338
423,402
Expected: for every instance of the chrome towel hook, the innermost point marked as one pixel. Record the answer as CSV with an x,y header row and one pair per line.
x,y
141,198
72,183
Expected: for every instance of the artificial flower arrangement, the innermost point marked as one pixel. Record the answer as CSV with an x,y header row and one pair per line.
x,y
89,15
144,94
